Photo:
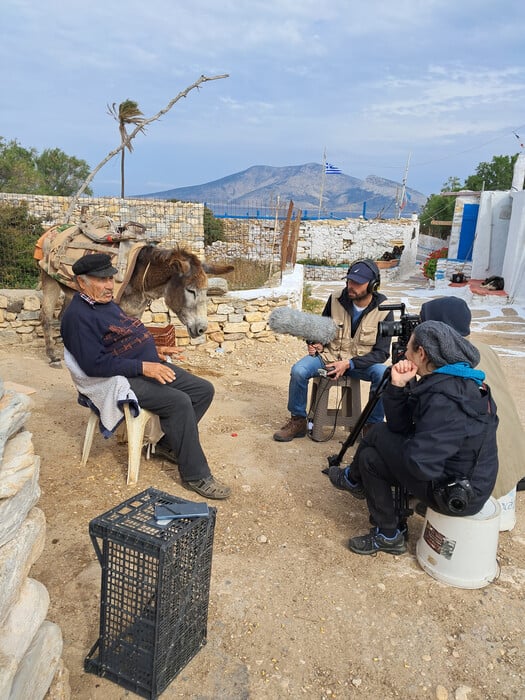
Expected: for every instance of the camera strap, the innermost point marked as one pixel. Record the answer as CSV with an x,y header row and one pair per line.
x,y
483,387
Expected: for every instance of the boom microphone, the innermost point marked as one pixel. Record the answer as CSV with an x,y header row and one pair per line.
x,y
311,327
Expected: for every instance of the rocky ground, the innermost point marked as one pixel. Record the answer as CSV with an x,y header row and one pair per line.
x,y
293,613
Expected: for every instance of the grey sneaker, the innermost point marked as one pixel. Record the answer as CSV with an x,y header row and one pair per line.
x,y
375,541
340,480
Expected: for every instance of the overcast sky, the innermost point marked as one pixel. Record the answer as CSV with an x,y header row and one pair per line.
x,y
373,82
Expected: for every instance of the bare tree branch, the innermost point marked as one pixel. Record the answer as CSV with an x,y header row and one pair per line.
x,y
139,128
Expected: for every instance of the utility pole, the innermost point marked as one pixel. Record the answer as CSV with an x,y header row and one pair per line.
x,y
322,184
401,202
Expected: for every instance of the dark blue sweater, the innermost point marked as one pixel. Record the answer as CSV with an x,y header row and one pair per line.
x,y
104,340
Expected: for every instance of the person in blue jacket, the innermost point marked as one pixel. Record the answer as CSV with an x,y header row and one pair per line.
x,y
439,431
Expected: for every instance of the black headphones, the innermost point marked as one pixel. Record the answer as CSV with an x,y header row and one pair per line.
x,y
373,285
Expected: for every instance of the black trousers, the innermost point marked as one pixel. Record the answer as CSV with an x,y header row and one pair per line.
x,y
180,405
379,464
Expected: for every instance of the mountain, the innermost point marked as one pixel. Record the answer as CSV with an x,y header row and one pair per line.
x,y
256,190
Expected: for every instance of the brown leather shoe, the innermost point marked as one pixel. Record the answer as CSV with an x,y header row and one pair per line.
x,y
294,428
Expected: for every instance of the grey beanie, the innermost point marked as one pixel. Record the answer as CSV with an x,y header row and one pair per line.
x,y
444,345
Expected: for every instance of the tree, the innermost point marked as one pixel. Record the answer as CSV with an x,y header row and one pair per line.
x,y
439,208
18,172
128,112
53,172
61,174
496,175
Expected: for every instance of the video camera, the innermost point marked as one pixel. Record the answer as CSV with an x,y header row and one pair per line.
x,y
402,328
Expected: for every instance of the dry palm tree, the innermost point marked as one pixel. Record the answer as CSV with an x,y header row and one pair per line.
x,y
127,139
128,112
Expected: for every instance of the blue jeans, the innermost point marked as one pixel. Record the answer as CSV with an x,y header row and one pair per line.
x,y
306,368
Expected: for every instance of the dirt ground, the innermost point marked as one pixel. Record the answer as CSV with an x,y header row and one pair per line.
x,y
293,613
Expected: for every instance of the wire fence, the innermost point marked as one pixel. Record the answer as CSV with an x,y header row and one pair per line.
x,y
271,211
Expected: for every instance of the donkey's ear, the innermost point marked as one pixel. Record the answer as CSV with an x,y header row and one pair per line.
x,y
178,264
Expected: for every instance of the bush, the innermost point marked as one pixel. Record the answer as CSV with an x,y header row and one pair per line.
x,y
430,264
321,262
19,231
247,274
213,228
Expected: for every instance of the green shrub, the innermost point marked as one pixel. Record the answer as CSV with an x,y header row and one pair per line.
x,y
213,228
321,262
19,231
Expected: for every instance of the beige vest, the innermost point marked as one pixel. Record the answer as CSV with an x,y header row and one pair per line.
x,y
343,346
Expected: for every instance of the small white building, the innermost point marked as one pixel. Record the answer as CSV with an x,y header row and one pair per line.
x,y
488,232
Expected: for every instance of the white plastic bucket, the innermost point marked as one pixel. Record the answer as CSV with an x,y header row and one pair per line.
x,y
508,511
461,551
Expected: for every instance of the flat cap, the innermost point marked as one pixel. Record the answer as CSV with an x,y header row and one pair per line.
x,y
95,265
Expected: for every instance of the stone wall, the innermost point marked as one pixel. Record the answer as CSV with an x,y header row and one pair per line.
x,y
336,242
30,645
350,239
167,222
230,319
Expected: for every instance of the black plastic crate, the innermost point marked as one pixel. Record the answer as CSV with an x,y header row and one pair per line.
x,y
154,593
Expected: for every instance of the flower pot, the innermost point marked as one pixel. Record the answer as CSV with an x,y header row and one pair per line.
x,y
386,264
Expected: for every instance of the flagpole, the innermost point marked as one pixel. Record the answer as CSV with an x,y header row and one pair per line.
x,y
400,205
322,183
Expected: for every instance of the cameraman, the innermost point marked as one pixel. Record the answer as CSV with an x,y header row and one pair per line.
x,y
358,350
440,430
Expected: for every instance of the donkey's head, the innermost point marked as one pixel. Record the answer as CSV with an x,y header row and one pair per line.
x,y
185,292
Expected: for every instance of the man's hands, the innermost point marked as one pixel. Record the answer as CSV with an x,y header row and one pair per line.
x,y
337,369
164,374
402,372
168,353
314,348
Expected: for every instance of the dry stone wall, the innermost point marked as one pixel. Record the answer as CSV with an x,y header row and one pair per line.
x,y
230,320
167,222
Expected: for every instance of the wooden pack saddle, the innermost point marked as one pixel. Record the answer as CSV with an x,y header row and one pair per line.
x,y
62,245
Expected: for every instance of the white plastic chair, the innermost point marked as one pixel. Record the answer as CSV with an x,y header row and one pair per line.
x,y
135,428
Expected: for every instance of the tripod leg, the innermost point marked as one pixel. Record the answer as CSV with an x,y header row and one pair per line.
x,y
336,460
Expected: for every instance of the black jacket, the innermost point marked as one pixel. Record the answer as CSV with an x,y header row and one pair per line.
x,y
450,427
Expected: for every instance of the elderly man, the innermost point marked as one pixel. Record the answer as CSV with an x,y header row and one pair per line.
x,y
106,342
358,350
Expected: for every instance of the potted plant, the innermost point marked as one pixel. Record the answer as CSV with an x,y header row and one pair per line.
x,y
430,264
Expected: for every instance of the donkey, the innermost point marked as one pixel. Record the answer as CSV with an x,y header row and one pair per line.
x,y
176,274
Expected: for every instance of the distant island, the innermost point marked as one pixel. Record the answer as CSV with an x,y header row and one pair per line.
x,y
261,189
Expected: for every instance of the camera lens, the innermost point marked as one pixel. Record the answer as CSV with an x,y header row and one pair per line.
x,y
457,505
389,328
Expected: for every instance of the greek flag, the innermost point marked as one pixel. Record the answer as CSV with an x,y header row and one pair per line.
x,y
332,170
